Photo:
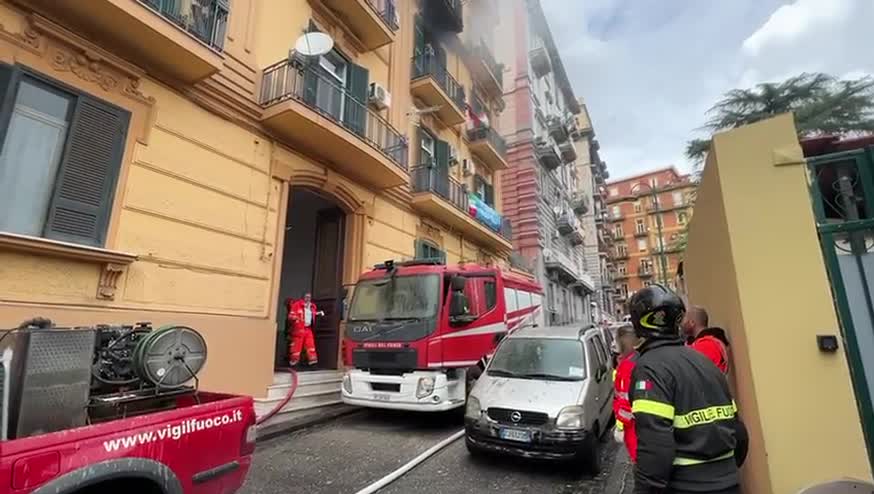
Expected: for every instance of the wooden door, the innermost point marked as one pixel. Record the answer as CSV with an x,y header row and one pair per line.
x,y
327,284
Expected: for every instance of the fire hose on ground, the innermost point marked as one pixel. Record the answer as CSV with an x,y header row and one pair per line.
x,y
281,404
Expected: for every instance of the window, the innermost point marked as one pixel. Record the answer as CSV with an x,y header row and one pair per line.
x,y
592,355
524,299
60,159
617,231
641,244
491,293
601,349
614,192
617,212
678,197
682,217
482,189
510,299
646,266
623,290
654,182
637,207
621,250
536,299
621,268
426,147
428,251
647,283
640,225
548,358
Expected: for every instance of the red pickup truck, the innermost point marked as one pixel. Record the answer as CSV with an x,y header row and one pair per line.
x,y
106,410
202,448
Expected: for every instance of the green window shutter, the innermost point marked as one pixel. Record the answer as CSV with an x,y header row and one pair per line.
x,y
441,154
490,195
82,200
355,111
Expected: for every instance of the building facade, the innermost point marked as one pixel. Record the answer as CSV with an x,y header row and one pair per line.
x,y
588,202
540,186
187,165
647,214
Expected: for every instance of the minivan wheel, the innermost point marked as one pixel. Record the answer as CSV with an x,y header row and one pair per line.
x,y
590,454
474,450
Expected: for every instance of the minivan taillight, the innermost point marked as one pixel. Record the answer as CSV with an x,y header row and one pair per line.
x,y
250,434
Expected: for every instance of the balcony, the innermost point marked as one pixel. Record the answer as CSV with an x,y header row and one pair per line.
x,y
540,63
556,129
442,197
315,115
568,151
645,273
486,70
580,203
621,256
560,264
179,38
487,145
545,153
641,232
374,22
576,236
444,15
432,83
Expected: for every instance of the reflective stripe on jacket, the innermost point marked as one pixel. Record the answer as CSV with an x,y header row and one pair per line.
x,y
685,420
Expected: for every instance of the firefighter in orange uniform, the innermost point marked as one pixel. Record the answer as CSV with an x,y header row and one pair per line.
x,y
301,317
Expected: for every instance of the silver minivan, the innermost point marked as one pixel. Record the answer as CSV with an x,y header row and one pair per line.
x,y
547,393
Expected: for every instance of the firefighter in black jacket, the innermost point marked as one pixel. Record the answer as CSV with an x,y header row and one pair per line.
x,y
685,418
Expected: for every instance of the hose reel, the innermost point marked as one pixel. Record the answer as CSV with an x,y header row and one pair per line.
x,y
137,356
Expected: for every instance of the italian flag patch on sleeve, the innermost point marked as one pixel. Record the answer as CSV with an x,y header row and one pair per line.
x,y
643,385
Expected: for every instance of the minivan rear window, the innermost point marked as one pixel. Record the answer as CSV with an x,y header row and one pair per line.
x,y
539,358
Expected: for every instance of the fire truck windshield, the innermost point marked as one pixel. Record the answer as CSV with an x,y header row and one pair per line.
x,y
397,298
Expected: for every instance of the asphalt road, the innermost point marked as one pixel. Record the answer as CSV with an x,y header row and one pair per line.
x,y
352,452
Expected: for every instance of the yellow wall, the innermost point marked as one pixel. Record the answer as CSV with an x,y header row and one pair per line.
x,y
754,262
203,189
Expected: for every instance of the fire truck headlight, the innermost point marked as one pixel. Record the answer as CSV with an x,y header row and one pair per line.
x,y
473,409
347,384
570,418
425,387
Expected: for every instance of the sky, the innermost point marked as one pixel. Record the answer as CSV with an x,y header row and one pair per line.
x,y
649,69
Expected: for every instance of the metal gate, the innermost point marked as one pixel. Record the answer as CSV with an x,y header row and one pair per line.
x,y
842,189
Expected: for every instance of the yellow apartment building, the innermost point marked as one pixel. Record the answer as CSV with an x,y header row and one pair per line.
x,y
179,161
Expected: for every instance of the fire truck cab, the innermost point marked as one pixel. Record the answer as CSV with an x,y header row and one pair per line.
x,y
419,332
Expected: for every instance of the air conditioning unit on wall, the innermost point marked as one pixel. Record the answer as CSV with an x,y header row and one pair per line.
x,y
378,97
466,167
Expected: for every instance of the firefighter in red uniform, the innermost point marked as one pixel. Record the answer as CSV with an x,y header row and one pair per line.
x,y
301,316
712,342
624,432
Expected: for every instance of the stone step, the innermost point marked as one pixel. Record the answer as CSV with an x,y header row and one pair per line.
x,y
326,384
302,400
307,376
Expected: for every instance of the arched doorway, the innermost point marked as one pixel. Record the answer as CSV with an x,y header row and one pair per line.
x,y
312,262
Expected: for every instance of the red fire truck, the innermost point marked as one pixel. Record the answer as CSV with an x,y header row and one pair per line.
x,y
418,332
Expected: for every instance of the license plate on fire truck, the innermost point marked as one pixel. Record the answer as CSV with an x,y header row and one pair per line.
x,y
381,397
515,435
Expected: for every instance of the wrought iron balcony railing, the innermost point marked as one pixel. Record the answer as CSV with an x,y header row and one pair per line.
x,y
427,66
490,135
387,11
206,20
428,178
286,80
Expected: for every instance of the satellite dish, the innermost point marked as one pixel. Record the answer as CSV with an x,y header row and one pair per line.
x,y
314,44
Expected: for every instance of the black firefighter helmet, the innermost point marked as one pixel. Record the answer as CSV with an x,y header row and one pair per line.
x,y
656,311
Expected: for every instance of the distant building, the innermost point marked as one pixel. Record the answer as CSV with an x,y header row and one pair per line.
x,y
647,216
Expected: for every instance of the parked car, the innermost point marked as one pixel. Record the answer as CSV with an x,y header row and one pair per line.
x,y
546,394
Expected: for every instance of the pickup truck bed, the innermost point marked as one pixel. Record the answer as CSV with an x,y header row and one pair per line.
x,y
203,445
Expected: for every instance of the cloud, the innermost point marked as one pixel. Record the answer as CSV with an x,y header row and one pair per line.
x,y
789,23
649,70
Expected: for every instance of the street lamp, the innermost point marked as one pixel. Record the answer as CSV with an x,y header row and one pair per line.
x,y
657,209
